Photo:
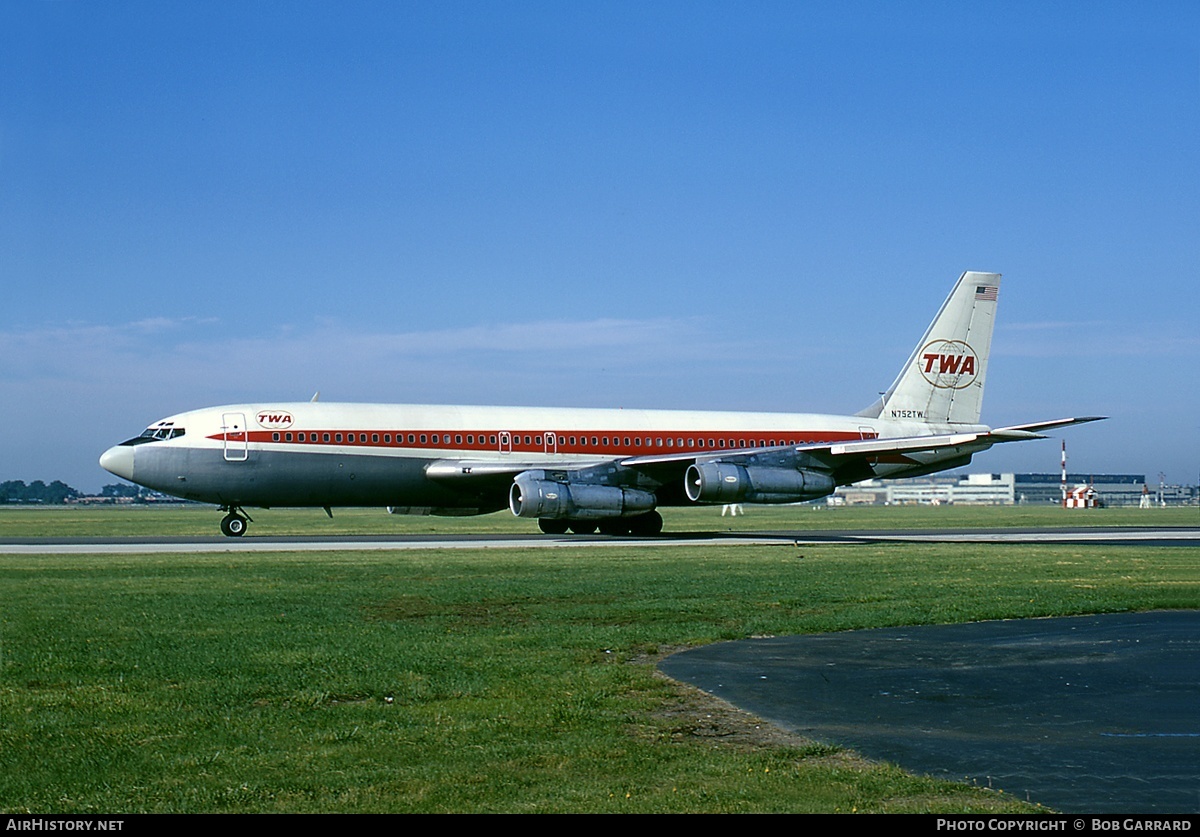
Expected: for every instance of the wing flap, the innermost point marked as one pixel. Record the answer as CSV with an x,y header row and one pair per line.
x,y
451,470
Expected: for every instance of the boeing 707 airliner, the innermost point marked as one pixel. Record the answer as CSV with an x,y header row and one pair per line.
x,y
581,469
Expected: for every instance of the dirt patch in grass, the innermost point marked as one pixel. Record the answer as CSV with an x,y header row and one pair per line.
x,y
693,714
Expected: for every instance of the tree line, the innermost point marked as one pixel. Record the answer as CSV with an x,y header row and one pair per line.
x,y
57,492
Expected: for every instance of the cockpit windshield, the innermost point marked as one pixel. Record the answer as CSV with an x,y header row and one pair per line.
x,y
156,433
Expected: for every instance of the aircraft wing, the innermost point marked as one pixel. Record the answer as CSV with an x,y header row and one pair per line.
x,y
838,463
986,438
845,462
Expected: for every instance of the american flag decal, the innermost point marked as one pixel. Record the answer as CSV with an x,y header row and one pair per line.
x,y
985,293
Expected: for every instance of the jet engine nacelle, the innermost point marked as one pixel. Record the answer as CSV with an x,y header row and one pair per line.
x,y
532,495
725,482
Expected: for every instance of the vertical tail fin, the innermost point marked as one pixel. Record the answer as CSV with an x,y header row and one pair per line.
x,y
942,382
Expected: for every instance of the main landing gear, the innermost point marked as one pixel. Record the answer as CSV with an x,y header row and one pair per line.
x,y
233,525
650,523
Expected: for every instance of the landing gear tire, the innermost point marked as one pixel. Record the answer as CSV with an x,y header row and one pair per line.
x,y
552,526
233,525
650,523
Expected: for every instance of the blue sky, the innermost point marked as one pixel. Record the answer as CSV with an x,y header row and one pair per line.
x,y
686,205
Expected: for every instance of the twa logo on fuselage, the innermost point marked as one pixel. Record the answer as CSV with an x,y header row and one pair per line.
x,y
274,419
948,364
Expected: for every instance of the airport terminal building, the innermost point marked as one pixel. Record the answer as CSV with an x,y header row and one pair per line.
x,y
1011,489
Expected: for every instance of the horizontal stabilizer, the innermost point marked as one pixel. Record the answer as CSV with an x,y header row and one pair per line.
x,y
1039,426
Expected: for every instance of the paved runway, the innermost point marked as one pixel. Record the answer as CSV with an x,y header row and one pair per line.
x,y
252,543
1093,714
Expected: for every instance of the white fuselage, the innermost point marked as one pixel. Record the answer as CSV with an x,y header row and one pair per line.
x,y
322,454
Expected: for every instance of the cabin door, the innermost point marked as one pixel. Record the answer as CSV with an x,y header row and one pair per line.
x,y
235,439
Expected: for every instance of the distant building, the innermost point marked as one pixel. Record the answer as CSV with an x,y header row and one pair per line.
x,y
1009,489
1081,497
1110,489
977,489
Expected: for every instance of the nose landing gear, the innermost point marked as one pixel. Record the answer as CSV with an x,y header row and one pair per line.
x,y
233,525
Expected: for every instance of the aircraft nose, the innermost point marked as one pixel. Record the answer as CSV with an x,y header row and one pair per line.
x,y
118,460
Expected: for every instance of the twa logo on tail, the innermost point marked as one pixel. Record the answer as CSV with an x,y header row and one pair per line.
x,y
274,419
948,364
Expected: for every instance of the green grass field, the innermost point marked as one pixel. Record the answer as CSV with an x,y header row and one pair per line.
x,y
481,680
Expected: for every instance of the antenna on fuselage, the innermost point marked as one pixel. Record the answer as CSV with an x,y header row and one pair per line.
x,y
316,397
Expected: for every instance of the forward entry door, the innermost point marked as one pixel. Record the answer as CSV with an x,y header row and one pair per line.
x,y
235,439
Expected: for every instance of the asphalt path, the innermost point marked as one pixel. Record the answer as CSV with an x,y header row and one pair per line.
x,y
1174,536
1089,714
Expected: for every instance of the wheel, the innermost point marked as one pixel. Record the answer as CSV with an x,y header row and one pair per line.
x,y
583,527
650,523
552,526
233,525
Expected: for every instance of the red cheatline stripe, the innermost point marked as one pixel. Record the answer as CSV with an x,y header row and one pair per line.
x,y
625,442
